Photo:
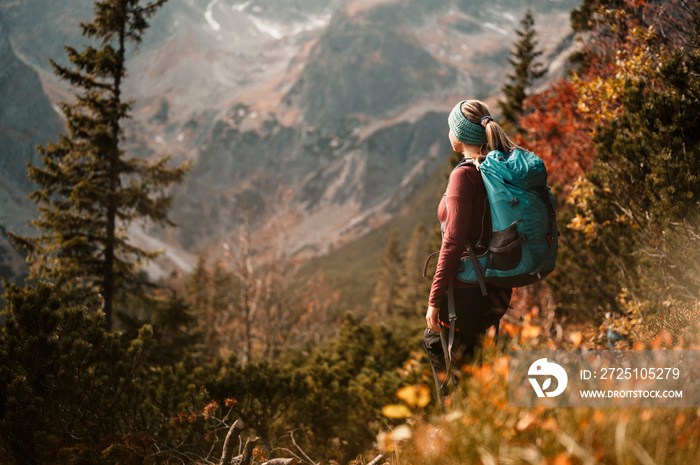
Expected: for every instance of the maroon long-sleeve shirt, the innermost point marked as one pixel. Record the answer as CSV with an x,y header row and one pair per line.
x,y
463,220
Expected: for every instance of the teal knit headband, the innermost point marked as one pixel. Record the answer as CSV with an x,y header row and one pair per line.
x,y
466,131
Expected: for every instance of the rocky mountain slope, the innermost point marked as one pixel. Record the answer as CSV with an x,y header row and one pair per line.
x,y
27,118
356,125
314,118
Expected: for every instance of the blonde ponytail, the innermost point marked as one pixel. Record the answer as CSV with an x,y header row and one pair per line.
x,y
498,139
478,112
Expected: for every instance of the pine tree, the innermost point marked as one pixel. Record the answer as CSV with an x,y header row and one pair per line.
x,y
89,191
387,282
54,363
412,295
353,376
526,71
197,287
221,284
73,392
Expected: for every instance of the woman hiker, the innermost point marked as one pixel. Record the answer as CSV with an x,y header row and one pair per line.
x,y
473,133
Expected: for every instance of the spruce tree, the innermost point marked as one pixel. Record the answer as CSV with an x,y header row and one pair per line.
x,y
526,71
89,190
412,296
197,287
386,287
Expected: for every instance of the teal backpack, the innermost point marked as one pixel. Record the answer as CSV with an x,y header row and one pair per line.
x,y
523,243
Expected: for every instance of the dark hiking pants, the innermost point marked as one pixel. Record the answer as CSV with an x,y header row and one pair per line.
x,y
475,315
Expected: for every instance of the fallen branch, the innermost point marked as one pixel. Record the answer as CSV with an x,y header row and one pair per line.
x,y
377,460
281,462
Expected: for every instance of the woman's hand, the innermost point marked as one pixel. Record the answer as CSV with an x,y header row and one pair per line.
x,y
431,317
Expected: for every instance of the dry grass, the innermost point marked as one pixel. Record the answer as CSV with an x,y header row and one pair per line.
x,y
481,428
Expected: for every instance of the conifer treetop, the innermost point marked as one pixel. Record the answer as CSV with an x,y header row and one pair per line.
x,y
89,190
526,70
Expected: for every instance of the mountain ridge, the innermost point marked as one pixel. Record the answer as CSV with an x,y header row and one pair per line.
x,y
322,116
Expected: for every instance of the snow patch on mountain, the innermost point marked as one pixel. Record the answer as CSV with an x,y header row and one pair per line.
x,y
209,16
313,23
495,28
273,30
239,7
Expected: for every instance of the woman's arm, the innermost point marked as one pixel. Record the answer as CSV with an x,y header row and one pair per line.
x,y
460,200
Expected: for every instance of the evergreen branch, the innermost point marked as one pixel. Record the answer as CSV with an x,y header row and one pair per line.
x,y
75,78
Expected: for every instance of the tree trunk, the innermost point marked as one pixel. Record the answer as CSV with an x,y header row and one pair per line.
x,y
110,244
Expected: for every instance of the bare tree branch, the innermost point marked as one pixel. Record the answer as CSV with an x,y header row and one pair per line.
x,y
248,450
291,435
231,437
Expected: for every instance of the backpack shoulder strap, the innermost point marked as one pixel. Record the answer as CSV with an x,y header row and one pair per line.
x,y
477,269
463,162
468,245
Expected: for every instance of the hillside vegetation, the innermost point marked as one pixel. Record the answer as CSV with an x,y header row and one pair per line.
x,y
254,334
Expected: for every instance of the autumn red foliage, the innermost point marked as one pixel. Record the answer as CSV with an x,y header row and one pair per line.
x,y
558,133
